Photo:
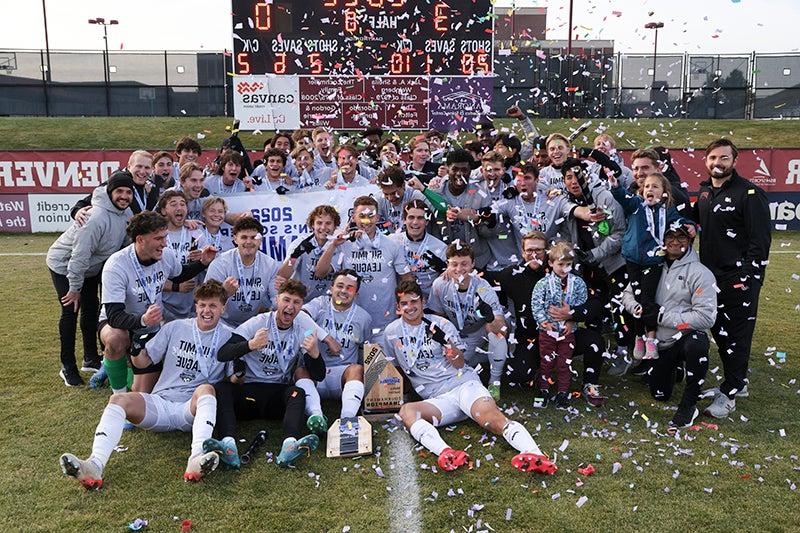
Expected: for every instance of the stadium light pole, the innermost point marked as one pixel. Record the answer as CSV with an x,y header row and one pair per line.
x,y
106,59
654,26
570,93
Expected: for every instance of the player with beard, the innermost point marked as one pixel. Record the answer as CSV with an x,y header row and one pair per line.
x,y
734,244
377,259
304,254
391,206
425,254
270,346
351,326
429,352
132,285
184,243
227,182
247,273
145,195
75,261
469,302
183,399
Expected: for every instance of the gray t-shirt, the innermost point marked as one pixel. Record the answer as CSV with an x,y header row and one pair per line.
x,y
305,267
415,250
217,187
392,215
256,284
125,280
377,262
276,362
179,243
422,359
352,328
542,214
189,356
461,307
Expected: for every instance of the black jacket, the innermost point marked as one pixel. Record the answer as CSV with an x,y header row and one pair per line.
x,y
735,230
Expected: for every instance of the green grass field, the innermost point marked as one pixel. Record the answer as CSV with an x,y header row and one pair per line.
x,y
740,475
143,132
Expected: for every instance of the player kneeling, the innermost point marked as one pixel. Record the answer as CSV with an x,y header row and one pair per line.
x,y
428,349
183,397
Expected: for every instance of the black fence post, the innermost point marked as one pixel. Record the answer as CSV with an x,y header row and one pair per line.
x,y
45,77
166,84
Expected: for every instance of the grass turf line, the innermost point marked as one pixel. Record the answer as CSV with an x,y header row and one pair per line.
x,y
40,419
128,133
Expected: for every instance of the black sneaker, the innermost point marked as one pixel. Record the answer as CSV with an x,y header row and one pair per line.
x,y
562,400
91,365
684,418
642,369
71,377
541,400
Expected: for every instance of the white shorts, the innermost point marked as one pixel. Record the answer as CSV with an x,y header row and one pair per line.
x,y
166,415
330,388
456,405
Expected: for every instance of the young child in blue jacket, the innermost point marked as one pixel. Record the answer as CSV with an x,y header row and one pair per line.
x,y
649,213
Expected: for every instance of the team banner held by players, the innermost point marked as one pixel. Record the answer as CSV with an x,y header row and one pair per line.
x,y
284,216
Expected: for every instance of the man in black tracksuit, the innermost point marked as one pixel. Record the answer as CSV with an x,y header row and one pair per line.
x,y
735,224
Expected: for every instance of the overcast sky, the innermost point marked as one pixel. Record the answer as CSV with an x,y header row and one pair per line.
x,y
707,26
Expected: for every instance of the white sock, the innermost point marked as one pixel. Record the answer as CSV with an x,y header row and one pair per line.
x,y
119,391
352,394
313,404
498,353
107,434
427,435
205,417
519,438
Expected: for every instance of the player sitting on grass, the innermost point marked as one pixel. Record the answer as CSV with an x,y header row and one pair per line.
x,y
351,326
183,398
430,353
270,345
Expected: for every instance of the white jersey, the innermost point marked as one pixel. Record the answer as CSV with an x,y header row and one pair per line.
x,y
256,284
326,175
305,268
125,280
222,240
180,243
276,362
378,262
415,251
461,307
352,328
189,356
391,216
542,214
422,359
217,187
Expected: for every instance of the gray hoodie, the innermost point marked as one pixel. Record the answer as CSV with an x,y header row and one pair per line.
x,y
687,296
81,251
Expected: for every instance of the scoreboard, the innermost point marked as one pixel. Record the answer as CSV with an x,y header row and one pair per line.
x,y
363,37
404,64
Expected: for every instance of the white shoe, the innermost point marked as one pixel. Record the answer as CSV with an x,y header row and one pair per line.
x,y
721,407
86,472
713,393
201,465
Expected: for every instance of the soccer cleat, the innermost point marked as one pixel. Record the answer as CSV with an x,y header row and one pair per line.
x,y
71,377
591,392
642,369
293,449
200,465
713,393
531,462
99,378
317,424
684,418
542,399
650,349
562,400
91,365
86,472
226,449
494,391
638,348
721,407
451,459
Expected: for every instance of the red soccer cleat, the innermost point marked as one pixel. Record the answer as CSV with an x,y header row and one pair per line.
x,y
531,462
451,459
